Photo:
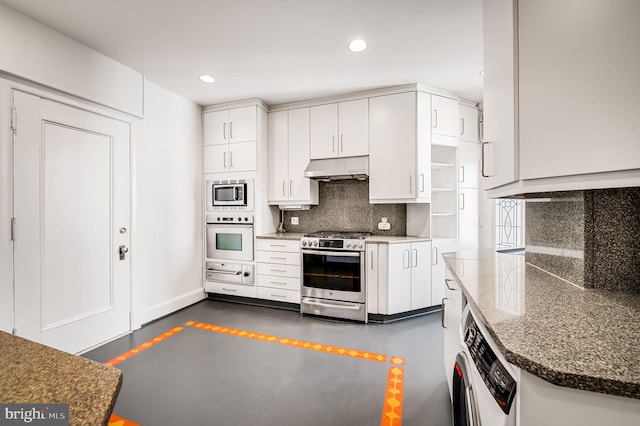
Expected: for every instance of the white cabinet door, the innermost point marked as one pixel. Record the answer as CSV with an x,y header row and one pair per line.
x,y
452,313
323,131
439,246
243,124
468,124
499,138
399,279
353,124
278,142
421,275
444,116
468,219
215,127
216,158
392,147
468,163
584,117
300,188
371,263
242,157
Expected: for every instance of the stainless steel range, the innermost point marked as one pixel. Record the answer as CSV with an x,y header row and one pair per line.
x,y
333,275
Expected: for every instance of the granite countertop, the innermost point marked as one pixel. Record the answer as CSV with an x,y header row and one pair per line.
x,y
562,333
282,236
31,373
372,239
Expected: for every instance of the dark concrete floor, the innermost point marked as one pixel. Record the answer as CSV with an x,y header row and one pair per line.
x,y
199,377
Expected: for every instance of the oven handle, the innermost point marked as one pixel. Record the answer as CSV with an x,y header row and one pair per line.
x,y
219,271
326,305
333,253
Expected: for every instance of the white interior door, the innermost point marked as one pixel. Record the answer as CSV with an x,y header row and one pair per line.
x,y
71,186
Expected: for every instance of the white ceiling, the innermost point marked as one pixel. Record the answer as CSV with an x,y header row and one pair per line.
x,y
279,50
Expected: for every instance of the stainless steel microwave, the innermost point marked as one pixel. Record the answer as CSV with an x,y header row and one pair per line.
x,y
230,194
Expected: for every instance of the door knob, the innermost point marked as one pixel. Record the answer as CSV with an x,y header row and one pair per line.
x,y
122,250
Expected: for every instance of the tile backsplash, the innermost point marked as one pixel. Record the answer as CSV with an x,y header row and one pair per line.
x,y
344,206
590,238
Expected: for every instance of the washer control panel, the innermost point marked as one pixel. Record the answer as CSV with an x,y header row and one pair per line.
x,y
495,376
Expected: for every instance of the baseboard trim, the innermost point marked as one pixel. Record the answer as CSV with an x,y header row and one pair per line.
x,y
143,316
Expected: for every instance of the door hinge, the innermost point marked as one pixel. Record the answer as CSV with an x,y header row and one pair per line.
x,y
14,118
13,229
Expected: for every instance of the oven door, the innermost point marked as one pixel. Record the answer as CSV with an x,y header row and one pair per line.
x,y
334,275
230,242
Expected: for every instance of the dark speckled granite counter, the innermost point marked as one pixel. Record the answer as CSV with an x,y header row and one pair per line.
x,y
580,338
31,373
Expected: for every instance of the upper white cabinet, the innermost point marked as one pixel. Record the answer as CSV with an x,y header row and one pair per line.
x,y
288,152
444,116
400,148
468,130
339,129
230,140
231,125
560,105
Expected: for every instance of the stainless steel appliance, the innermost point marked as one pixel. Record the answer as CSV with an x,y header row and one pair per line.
x,y
235,273
333,275
230,237
230,194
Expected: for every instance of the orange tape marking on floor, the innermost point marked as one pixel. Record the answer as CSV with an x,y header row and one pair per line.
x,y
392,410
140,348
370,356
115,420
232,331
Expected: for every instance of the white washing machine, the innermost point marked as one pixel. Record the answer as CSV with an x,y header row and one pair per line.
x,y
484,384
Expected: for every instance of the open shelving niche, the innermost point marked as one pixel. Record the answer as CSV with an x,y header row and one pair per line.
x,y
444,191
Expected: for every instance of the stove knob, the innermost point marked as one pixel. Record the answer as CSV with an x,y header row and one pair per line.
x,y
315,244
348,245
304,244
359,246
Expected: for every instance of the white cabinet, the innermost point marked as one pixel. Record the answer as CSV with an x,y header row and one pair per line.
x,y
231,289
468,202
404,280
278,270
444,191
339,129
399,148
371,275
575,127
288,152
230,140
452,306
444,116
231,125
439,246
469,124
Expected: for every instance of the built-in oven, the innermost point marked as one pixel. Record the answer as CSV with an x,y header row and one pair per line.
x,y
235,273
229,194
229,237
333,275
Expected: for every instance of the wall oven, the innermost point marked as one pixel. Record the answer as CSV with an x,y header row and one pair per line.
x,y
333,275
229,194
229,237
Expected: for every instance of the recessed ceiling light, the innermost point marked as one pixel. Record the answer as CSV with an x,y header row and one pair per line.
x,y
357,45
206,78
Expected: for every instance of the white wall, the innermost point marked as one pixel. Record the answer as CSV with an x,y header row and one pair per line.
x,y
166,251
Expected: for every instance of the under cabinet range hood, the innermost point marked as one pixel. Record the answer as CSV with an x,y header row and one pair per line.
x,y
327,169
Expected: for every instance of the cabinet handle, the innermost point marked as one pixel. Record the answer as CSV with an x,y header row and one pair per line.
x,y
277,245
224,159
405,259
333,144
442,313
278,270
341,143
482,159
461,174
462,201
291,187
231,130
277,282
278,257
372,260
415,258
279,295
231,158
461,126
435,258
224,131
446,282
421,182
410,184
435,118
229,289
284,188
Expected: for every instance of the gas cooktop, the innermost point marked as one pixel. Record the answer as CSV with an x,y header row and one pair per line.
x,y
335,240
338,235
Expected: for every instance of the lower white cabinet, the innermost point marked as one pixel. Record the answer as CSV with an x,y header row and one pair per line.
x,y
439,246
403,277
278,270
231,289
452,306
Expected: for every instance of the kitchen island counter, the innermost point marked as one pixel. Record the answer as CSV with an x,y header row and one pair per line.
x,y
31,373
579,338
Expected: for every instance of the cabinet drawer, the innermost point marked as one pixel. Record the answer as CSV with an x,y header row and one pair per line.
x,y
290,296
278,245
279,270
282,257
232,289
283,283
